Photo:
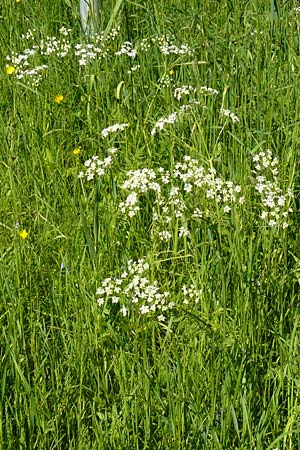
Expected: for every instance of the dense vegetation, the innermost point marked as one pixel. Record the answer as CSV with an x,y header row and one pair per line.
x,y
149,225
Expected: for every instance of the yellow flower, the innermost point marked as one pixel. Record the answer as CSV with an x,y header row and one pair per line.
x,y
58,98
23,234
76,151
171,72
9,70
18,1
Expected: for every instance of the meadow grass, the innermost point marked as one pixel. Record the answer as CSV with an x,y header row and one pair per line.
x,y
149,266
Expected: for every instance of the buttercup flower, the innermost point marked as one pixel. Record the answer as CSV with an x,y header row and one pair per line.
x,y
23,234
59,98
76,151
9,70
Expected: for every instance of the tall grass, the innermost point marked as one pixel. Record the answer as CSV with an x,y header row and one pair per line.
x,y
220,370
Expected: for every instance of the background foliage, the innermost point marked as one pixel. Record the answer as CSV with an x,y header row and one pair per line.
x,y
219,374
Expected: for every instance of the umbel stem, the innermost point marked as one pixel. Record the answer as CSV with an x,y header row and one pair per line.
x,y
89,12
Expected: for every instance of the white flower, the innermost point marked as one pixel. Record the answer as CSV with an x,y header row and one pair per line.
x,y
113,129
228,113
197,214
182,91
161,318
124,311
64,31
95,167
172,118
183,232
208,90
264,215
127,49
272,198
144,309
130,205
168,48
165,236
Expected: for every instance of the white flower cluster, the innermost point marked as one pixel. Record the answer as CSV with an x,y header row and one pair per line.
x,y
170,205
191,294
165,44
134,291
96,50
140,182
182,91
165,235
227,113
88,52
167,47
20,61
183,232
145,44
33,75
177,196
51,45
160,124
25,64
208,90
275,203
173,117
113,129
264,160
127,49
96,167
65,31
166,81
29,35
130,206
225,193
21,64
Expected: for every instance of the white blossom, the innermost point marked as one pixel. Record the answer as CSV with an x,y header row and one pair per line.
x,y
113,129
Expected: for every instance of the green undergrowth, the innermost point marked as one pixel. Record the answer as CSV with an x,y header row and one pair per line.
x,y
150,272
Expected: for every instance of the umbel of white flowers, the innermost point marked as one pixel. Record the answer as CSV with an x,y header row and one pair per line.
x,y
89,12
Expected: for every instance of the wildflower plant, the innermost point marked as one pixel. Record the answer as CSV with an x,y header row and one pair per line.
x,y
275,203
23,68
31,64
135,293
94,167
226,113
128,50
181,196
173,117
113,129
167,46
96,49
